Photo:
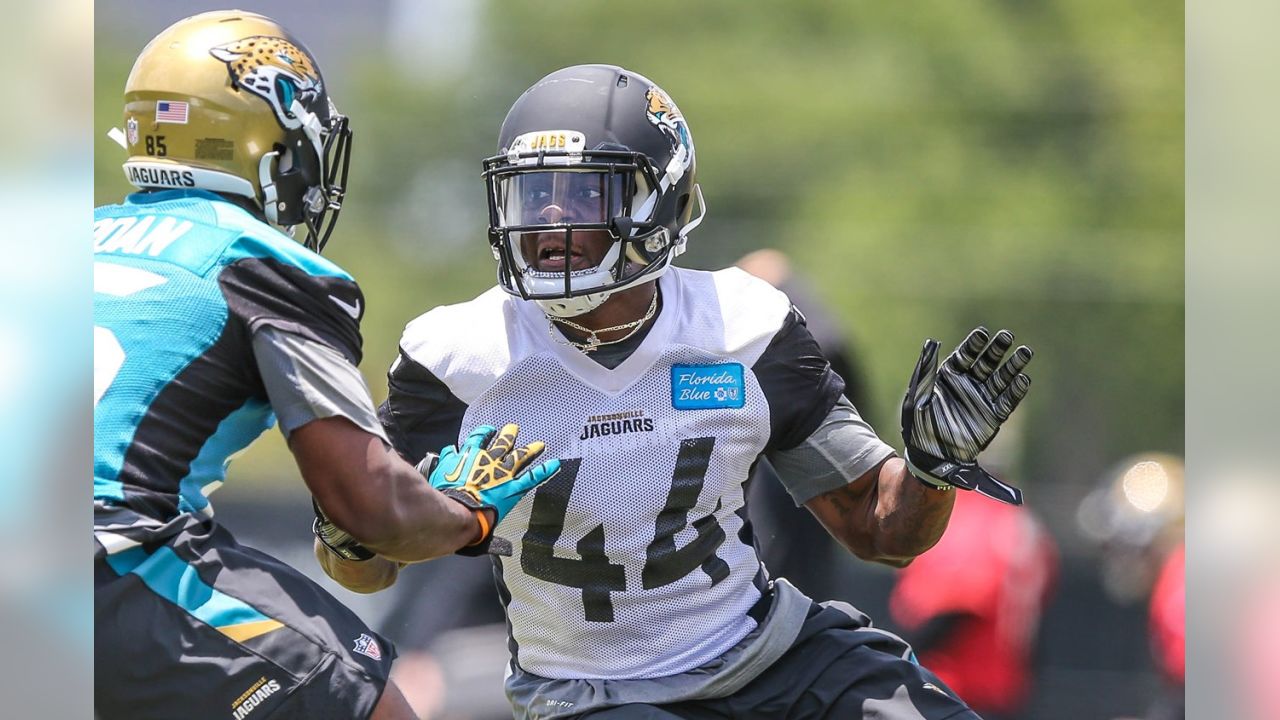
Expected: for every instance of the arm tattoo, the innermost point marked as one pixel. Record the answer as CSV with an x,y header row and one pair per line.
x,y
910,517
889,517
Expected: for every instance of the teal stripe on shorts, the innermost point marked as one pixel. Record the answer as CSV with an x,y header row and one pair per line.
x,y
175,580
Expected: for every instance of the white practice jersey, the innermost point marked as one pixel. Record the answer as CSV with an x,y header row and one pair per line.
x,y
635,561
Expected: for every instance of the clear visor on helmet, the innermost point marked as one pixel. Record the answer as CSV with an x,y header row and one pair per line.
x,y
571,224
565,197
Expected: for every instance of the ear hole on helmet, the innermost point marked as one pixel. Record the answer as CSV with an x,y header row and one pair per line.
x,y
682,207
285,161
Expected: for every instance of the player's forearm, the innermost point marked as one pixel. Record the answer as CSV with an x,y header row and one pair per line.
x,y
414,522
909,516
381,501
885,516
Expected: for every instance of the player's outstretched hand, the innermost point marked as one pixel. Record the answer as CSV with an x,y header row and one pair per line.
x,y
489,471
951,413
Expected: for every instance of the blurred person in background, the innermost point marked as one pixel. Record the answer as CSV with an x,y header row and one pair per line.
x,y
630,582
791,541
1167,617
972,605
210,323
1135,514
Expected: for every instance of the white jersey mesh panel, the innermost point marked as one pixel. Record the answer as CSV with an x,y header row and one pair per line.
x,y
628,564
622,484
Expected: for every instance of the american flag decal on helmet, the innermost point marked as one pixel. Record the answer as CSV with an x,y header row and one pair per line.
x,y
171,111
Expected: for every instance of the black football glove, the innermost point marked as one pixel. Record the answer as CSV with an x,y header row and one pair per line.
x,y
951,413
336,539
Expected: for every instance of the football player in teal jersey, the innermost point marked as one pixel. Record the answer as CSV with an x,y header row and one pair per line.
x,y
211,323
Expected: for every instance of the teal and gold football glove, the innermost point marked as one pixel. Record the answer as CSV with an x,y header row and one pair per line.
x,y
488,472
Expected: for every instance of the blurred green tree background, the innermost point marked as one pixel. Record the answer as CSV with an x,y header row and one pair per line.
x,y
928,166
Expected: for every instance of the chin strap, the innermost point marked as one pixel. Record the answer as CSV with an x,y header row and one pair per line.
x,y
689,226
267,180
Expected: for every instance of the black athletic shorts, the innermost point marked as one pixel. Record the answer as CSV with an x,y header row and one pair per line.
x,y
190,624
832,671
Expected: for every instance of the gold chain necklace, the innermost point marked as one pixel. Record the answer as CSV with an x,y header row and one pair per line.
x,y
593,340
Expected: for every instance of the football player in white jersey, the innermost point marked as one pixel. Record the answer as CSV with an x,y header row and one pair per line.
x,y
631,585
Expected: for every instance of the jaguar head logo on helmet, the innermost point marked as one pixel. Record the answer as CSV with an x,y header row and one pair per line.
x,y
665,116
591,156
275,70
230,102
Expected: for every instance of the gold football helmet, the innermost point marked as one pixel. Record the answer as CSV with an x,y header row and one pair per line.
x,y
230,102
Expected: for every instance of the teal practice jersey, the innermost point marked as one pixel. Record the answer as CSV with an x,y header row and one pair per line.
x,y
181,280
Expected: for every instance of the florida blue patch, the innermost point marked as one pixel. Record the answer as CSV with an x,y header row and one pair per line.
x,y
705,387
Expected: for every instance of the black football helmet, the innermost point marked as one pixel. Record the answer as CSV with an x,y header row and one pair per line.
x,y
613,144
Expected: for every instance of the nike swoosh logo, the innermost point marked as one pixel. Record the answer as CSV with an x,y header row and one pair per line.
x,y
453,476
935,688
348,308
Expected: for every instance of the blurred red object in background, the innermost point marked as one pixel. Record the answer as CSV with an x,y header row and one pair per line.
x,y
972,604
